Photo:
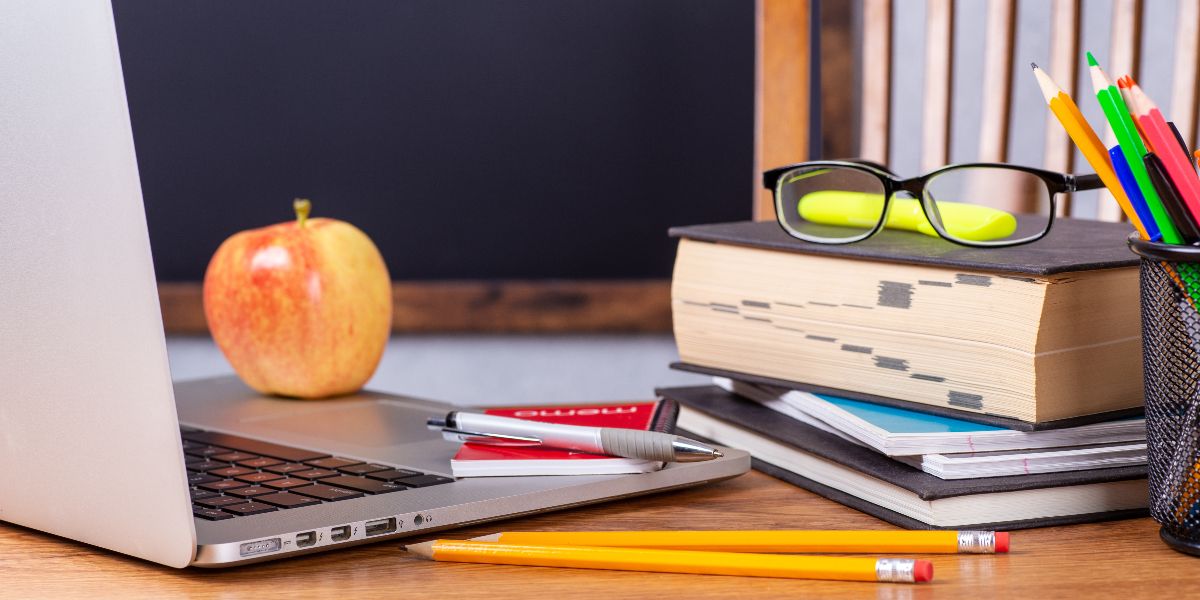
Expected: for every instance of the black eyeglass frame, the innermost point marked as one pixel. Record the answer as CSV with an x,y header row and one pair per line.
x,y
1056,183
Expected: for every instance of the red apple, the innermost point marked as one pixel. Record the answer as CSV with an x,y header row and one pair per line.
x,y
302,308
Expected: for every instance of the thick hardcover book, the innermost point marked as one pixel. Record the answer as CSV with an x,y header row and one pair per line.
x,y
491,460
868,481
1047,333
1071,245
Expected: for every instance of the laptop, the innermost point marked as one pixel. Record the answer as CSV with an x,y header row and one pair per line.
x,y
98,445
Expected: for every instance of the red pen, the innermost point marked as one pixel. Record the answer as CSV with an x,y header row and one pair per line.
x,y
1160,139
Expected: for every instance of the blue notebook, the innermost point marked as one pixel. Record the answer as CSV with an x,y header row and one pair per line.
x,y
898,420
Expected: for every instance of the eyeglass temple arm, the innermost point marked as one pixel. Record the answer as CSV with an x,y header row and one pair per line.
x,y
1087,182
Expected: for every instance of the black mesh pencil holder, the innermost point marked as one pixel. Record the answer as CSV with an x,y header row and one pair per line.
x,y
1170,290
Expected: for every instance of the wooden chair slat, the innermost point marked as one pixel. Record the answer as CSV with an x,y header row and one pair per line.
x,y
783,81
939,71
1184,91
1064,65
876,79
1124,59
997,80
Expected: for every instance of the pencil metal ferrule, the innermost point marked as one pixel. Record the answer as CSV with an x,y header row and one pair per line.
x,y
900,570
977,542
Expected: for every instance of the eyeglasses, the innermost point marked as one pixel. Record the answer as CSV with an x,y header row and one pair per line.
x,y
981,205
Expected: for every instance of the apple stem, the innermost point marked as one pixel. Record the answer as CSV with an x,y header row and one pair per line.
x,y
302,207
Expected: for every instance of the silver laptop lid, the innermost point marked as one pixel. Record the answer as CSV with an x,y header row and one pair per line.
x,y
89,445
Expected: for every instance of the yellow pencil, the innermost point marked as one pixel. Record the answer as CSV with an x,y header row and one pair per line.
x,y
1088,142
850,542
902,570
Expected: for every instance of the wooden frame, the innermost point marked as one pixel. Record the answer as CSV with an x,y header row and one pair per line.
x,y
487,307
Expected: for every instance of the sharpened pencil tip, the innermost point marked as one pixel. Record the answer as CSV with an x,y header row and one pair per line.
x,y
422,550
1033,65
1092,60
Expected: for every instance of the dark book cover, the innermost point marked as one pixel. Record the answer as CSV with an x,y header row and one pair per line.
x,y
769,424
986,419
1071,245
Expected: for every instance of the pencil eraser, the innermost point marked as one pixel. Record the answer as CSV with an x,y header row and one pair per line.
x,y
1001,541
922,571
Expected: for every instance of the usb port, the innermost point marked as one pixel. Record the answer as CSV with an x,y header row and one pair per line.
x,y
306,539
381,526
340,534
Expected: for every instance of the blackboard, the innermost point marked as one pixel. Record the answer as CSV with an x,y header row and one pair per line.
x,y
471,139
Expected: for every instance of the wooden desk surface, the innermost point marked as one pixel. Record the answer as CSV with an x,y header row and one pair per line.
x,y
1120,559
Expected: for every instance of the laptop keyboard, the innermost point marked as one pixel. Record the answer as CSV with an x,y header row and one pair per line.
x,y
232,476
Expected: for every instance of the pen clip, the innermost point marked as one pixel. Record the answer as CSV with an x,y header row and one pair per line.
x,y
493,439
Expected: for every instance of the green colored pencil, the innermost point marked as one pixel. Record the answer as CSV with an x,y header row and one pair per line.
x,y
1131,146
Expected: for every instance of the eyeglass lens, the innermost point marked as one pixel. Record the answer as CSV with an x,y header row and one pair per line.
x,y
988,205
829,204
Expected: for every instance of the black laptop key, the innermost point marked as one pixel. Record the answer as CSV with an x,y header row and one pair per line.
x,y
287,453
287,483
233,456
249,492
392,474
363,484
205,451
202,494
256,477
249,508
211,514
286,468
332,463
313,474
205,465
324,492
229,471
363,469
201,478
284,500
260,462
219,501
221,485
423,480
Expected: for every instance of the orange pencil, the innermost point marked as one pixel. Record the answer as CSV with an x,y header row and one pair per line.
x,y
901,570
775,540
1162,142
1088,142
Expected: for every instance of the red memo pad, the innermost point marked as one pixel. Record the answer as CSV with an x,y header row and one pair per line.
x,y
477,460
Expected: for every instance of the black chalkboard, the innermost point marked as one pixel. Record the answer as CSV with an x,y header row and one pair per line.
x,y
470,139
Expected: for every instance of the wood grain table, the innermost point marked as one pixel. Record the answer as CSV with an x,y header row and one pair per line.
x,y
1122,559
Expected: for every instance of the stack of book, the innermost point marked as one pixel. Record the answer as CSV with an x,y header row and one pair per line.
x,y
927,384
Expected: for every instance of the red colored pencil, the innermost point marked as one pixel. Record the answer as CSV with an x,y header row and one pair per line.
x,y
1162,142
1123,85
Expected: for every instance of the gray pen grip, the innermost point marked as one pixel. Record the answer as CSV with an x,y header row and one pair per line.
x,y
631,443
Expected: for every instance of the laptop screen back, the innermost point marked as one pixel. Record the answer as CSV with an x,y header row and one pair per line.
x,y
89,445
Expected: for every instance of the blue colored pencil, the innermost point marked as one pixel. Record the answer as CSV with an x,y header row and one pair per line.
x,y
1136,199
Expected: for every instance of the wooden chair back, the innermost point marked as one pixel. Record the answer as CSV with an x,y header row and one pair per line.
x,y
785,80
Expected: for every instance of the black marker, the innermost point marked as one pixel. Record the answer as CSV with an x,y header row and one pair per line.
x,y
1188,230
